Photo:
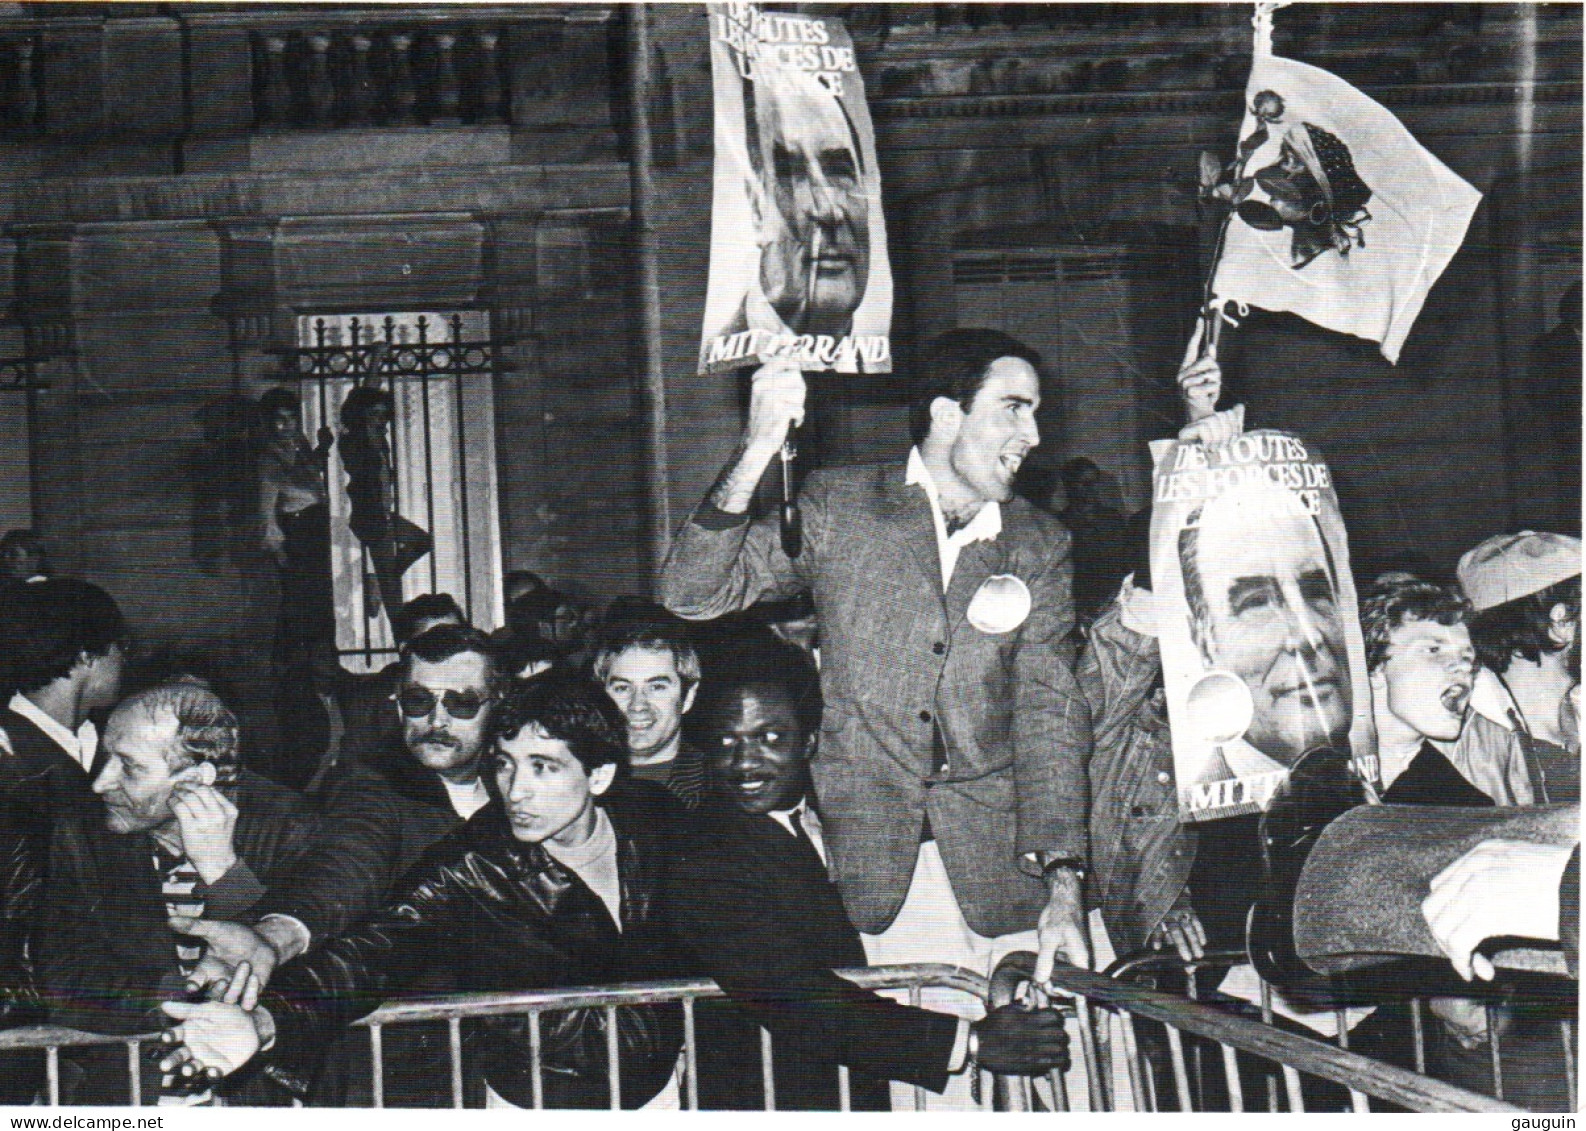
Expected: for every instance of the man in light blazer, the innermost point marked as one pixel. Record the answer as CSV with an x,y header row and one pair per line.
x,y
951,771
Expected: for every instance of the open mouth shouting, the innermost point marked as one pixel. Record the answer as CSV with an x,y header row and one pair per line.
x,y
1456,698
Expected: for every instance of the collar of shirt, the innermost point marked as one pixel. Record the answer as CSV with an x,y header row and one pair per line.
x,y
807,819
467,799
1491,699
984,527
81,746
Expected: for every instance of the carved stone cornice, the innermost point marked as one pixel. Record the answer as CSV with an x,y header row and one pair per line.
x,y
1193,101
474,190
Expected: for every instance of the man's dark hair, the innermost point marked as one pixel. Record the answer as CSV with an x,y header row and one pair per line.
x,y
568,708
1391,607
1522,625
653,635
441,643
277,400
757,659
955,366
360,402
47,625
433,606
25,540
528,577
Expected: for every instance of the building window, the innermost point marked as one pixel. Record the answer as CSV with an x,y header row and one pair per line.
x,y
440,460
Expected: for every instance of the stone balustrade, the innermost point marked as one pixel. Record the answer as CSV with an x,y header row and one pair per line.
x,y
324,77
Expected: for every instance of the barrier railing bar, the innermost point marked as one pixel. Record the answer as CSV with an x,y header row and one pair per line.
x,y
613,1058
919,1092
1357,1099
1087,1047
767,1070
134,1074
845,1099
1291,1082
1569,1063
1318,1058
1131,1050
536,1062
376,1066
44,1036
1059,1090
1236,1087
1493,1047
1419,1029
52,1070
631,993
454,1038
691,1058
1175,1044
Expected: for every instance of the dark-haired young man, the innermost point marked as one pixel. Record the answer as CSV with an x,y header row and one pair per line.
x,y
1525,589
556,883
752,902
952,768
62,647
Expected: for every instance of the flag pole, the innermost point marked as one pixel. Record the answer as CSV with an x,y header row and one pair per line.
x,y
1210,328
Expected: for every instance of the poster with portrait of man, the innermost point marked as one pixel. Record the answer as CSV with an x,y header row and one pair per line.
x,y
1262,655
798,250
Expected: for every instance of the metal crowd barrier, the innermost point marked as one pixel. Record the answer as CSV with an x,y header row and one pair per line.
x,y
1146,961
1094,998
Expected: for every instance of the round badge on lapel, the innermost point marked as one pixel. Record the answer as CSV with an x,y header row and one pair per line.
x,y
999,605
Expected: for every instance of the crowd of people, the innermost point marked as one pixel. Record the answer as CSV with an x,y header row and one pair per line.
x,y
895,746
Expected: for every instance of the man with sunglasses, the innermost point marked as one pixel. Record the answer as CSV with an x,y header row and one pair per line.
x,y
444,697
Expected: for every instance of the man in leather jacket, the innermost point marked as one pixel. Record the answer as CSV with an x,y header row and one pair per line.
x,y
557,882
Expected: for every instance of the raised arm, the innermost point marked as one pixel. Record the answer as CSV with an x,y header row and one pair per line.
x,y
720,561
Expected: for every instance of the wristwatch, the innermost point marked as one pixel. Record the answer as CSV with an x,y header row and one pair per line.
x,y
1073,864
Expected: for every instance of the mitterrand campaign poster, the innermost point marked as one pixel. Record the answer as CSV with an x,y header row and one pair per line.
x,y
1262,654
798,249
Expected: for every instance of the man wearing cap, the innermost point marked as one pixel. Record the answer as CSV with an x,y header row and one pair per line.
x,y
1525,589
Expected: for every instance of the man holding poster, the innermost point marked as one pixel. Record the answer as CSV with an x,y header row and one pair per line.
x,y
798,265
950,777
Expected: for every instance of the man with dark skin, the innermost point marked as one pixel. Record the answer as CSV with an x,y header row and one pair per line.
x,y
753,903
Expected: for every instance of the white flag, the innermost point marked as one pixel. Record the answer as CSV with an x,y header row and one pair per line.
x,y
1341,216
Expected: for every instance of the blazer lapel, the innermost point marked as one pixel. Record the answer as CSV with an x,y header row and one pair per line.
x,y
977,562
909,523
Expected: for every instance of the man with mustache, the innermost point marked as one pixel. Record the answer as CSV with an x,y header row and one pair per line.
x,y
1263,597
951,773
445,693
